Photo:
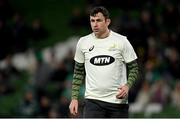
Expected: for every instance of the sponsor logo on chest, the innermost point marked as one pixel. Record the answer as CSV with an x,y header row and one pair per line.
x,y
102,60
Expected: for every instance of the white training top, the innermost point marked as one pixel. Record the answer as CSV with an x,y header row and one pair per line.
x,y
104,65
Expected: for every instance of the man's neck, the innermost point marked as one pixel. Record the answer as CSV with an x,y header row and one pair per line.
x,y
104,35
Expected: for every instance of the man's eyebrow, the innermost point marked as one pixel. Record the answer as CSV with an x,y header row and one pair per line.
x,y
95,19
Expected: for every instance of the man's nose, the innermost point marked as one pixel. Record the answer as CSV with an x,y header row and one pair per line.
x,y
95,24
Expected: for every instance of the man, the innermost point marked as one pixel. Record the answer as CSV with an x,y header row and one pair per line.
x,y
103,55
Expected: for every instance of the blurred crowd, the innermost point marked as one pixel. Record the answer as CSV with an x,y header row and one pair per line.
x,y
16,35
152,26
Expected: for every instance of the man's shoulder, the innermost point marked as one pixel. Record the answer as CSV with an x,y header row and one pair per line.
x,y
115,34
86,36
85,39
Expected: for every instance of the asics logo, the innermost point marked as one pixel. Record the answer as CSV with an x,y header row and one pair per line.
x,y
91,48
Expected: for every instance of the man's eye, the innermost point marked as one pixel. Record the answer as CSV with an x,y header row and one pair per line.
x,y
99,20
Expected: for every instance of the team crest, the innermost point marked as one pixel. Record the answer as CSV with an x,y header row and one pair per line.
x,y
112,47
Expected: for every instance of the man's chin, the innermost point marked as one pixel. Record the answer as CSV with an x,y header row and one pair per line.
x,y
96,32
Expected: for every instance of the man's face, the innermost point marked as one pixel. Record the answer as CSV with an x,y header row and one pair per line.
x,y
99,24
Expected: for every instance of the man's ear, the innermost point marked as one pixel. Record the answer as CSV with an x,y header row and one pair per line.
x,y
108,21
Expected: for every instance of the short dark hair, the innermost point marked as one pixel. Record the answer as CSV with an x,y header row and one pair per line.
x,y
100,9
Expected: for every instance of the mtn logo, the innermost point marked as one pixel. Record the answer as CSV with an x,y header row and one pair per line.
x,y
102,60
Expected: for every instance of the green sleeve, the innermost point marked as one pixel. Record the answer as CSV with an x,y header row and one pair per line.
x,y
78,77
132,73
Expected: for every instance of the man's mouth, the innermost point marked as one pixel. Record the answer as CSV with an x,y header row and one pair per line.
x,y
95,29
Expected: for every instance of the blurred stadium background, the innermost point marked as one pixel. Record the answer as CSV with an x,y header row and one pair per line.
x,y
38,39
